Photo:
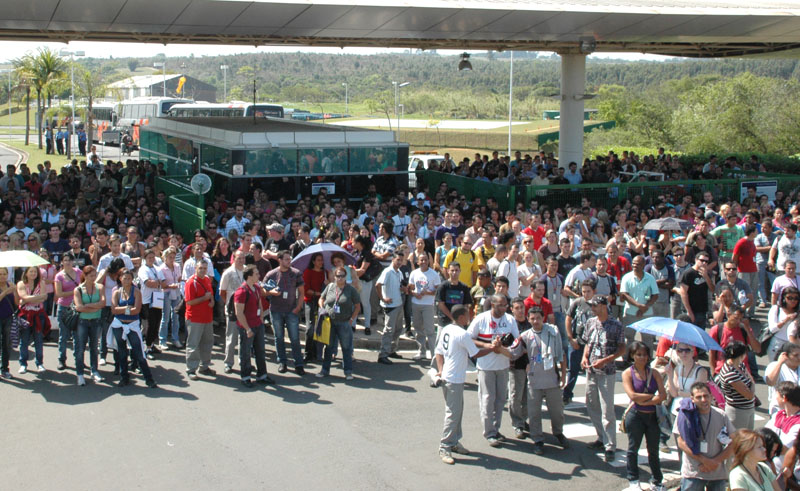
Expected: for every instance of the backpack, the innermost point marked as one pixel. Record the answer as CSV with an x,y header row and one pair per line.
x,y
232,308
456,250
718,339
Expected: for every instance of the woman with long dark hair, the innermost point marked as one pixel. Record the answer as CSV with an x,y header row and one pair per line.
x,y
90,300
645,388
32,297
314,281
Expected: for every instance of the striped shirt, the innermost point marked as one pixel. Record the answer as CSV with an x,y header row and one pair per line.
x,y
730,375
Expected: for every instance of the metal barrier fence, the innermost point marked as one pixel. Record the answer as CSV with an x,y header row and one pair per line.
x,y
605,195
471,188
543,138
185,216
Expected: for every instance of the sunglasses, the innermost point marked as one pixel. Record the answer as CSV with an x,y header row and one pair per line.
x,y
684,350
793,299
730,269
341,276
703,260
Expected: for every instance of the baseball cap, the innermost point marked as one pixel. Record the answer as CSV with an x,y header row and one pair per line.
x,y
598,300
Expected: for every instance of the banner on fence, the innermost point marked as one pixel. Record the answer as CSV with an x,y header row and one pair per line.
x,y
762,187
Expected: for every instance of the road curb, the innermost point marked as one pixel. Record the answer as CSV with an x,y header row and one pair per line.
x,y
22,155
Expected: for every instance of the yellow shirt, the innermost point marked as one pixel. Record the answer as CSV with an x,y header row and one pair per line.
x,y
470,263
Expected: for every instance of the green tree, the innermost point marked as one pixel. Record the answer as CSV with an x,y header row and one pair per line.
x,y
43,70
90,85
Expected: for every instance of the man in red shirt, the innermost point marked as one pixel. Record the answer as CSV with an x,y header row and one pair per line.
x,y
246,303
744,255
535,230
618,265
536,299
199,296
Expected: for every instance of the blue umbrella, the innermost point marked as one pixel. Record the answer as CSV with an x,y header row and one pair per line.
x,y
676,330
327,249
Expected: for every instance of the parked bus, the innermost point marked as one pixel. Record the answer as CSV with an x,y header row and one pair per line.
x,y
102,115
129,115
226,110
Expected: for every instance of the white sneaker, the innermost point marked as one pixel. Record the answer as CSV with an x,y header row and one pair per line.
x,y
633,486
349,376
97,378
163,347
320,375
418,357
41,369
102,362
81,380
446,457
23,369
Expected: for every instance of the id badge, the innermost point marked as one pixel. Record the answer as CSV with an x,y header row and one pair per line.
x,y
704,447
285,295
598,353
337,309
547,363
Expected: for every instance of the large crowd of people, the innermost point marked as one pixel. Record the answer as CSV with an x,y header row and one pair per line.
x,y
528,298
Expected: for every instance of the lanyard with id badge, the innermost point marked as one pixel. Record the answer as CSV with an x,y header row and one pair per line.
x,y
542,357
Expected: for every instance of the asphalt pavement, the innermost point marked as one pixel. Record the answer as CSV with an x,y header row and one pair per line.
x,y
379,431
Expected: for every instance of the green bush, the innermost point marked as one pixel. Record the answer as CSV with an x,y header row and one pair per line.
x,y
775,163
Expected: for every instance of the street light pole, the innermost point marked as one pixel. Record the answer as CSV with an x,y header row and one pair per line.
x,y
224,69
396,106
510,99
72,55
345,96
163,66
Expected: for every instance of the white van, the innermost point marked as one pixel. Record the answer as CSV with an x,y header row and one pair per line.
x,y
421,161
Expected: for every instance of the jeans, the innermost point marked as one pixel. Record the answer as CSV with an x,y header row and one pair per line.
x,y
645,425
256,343
767,277
5,343
313,349
366,296
88,330
284,321
105,322
169,312
574,362
340,332
64,334
136,352
38,343
752,281
689,484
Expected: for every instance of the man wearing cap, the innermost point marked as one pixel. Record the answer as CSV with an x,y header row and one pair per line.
x,y
276,243
482,290
605,342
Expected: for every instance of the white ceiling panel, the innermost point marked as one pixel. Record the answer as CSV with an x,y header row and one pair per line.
x,y
463,21
418,19
274,15
610,25
90,11
564,22
366,18
209,13
142,11
319,16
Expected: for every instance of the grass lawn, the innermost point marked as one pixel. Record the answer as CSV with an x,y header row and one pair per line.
x,y
35,155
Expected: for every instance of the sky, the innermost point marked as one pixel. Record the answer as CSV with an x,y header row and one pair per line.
x,y
16,49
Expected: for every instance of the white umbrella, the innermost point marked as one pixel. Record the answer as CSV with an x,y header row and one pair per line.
x,y
13,259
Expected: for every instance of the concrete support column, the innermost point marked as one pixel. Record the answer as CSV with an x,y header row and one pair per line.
x,y
573,88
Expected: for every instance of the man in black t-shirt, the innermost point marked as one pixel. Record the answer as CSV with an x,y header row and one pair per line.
x,y
275,243
566,261
451,293
695,287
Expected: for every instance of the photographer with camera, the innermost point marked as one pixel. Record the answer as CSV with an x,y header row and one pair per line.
x,y
493,368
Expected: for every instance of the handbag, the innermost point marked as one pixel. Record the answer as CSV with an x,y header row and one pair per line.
x,y
17,323
764,338
71,318
322,331
157,299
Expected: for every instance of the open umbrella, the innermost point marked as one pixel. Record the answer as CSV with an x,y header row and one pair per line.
x,y
12,259
326,249
667,224
676,330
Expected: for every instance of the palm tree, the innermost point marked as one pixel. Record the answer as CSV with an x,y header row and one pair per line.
x,y
90,84
43,70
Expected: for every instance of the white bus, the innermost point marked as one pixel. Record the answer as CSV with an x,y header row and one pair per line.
x,y
129,115
102,115
226,110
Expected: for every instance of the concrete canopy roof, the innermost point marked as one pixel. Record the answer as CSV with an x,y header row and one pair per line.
x,y
694,28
